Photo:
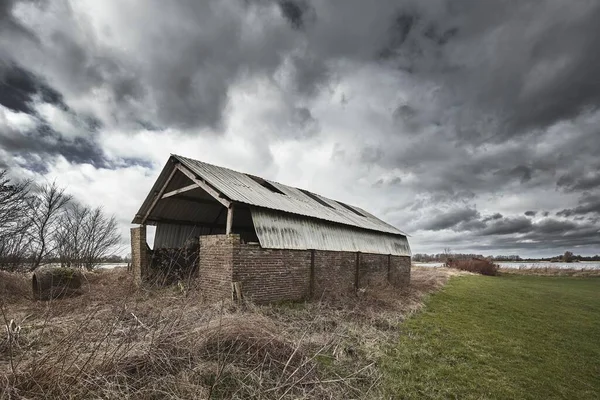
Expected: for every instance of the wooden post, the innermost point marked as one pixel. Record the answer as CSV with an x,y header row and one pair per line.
x,y
389,268
312,274
229,220
356,282
236,292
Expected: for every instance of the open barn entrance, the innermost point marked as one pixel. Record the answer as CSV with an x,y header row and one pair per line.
x,y
182,211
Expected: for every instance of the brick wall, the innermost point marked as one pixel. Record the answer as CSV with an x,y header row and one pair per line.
x,y
400,271
373,270
335,272
139,254
268,275
272,275
215,266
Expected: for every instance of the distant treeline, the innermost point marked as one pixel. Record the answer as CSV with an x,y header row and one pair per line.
x,y
113,259
442,257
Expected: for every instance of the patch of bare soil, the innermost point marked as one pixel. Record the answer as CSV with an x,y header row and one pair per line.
x,y
114,341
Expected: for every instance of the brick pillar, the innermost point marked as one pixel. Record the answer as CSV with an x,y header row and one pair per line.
x,y
139,253
218,256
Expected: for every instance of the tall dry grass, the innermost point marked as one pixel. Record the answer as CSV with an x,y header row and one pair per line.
x,y
118,342
14,287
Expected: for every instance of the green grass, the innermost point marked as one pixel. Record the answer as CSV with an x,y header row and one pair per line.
x,y
508,337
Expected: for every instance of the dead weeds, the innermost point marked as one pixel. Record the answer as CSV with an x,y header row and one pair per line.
x,y
115,341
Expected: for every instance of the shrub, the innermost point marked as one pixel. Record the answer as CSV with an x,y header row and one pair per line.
x,y
476,265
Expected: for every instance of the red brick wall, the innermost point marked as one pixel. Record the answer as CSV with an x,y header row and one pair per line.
x,y
215,266
373,270
268,275
400,271
335,272
139,254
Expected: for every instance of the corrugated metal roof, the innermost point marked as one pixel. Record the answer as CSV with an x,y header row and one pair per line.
x,y
173,236
277,230
241,188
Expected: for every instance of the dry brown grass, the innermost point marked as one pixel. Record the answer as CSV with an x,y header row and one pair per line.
x,y
117,342
14,287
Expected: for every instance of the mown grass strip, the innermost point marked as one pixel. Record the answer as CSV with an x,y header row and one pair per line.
x,y
526,337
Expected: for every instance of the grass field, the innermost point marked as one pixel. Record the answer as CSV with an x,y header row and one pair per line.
x,y
508,337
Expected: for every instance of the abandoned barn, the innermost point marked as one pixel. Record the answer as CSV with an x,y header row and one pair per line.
x,y
263,240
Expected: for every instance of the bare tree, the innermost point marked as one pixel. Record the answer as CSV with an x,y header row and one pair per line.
x,y
86,236
568,256
14,224
45,209
447,256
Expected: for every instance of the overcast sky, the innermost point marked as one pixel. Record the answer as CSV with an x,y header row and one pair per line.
x,y
469,124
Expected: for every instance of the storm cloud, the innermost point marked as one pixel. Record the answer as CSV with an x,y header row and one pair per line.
x,y
468,124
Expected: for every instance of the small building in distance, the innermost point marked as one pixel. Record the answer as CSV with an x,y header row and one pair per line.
x,y
263,240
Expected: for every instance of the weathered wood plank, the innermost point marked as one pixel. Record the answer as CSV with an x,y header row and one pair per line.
x,y
229,220
158,196
180,190
204,185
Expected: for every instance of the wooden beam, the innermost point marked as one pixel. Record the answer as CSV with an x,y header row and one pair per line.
x,y
229,220
178,222
198,200
159,195
204,185
198,224
180,190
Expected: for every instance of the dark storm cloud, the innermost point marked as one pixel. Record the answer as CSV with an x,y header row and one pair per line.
x,y
185,74
493,217
295,12
21,91
521,235
500,72
589,204
533,77
178,67
530,213
507,226
19,87
450,219
37,144
579,181
553,234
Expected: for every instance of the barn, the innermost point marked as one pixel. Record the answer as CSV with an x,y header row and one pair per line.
x,y
262,240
